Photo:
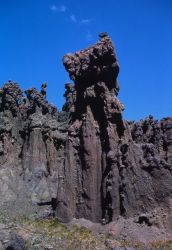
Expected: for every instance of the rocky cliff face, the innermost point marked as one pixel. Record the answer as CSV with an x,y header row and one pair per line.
x,y
85,161
113,167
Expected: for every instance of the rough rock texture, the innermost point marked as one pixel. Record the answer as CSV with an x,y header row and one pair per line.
x,y
32,139
113,167
85,161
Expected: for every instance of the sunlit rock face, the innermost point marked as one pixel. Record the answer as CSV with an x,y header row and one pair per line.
x,y
112,167
85,161
94,133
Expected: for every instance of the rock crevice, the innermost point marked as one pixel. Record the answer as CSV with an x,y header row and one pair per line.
x,y
85,161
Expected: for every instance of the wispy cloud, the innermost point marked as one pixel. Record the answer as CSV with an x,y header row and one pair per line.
x,y
61,8
73,18
89,36
85,21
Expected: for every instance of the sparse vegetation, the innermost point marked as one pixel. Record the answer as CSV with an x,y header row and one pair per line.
x,y
51,234
161,245
56,233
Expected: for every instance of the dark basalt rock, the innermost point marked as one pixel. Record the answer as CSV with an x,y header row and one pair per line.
x,y
113,167
16,243
85,161
95,64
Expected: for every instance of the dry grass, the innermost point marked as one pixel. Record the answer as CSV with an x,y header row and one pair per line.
x,y
45,233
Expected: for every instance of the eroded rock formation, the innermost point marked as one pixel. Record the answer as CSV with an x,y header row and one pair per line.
x,y
113,167
85,161
94,134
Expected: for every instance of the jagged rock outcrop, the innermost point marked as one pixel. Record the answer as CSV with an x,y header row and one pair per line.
x,y
96,127
32,139
113,167
85,161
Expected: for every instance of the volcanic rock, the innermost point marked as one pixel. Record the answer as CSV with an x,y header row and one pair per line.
x,y
85,161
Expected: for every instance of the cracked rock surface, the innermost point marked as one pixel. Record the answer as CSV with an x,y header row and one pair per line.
x,y
85,161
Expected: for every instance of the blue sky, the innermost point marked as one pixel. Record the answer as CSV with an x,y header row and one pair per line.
x,y
35,34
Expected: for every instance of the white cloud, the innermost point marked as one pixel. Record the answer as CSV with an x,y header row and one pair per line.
x,y
73,18
85,21
61,8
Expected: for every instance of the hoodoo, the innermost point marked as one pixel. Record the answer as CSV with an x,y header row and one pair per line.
x,y
85,161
